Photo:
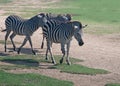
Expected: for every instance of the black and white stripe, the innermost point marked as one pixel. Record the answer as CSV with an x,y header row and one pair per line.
x,y
55,20
62,34
25,27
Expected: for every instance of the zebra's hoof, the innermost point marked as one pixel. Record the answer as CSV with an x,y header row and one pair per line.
x,y
68,62
14,49
18,52
33,52
46,58
53,62
61,61
41,47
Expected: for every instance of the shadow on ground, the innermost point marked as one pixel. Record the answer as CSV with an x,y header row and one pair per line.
x,y
23,50
25,62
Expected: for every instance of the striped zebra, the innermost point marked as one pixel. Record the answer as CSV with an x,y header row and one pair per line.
x,y
63,34
56,20
59,17
24,27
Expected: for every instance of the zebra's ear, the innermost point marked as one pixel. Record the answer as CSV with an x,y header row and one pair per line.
x,y
39,16
84,26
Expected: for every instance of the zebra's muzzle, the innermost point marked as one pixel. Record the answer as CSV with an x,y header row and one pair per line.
x,y
81,43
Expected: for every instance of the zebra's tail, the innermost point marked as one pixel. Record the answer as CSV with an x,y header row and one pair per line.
x,y
3,30
84,26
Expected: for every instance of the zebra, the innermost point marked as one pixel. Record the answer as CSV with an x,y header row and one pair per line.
x,y
56,20
59,17
24,27
63,34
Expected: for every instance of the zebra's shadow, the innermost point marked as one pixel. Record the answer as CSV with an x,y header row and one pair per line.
x,y
24,50
3,54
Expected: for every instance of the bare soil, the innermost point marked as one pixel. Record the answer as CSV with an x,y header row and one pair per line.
x,y
101,52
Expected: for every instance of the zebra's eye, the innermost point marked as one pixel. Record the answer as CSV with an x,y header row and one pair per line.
x,y
75,27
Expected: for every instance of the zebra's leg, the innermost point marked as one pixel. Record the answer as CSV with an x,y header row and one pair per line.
x,y
31,45
46,55
6,37
50,51
63,52
11,37
42,43
67,59
47,52
24,42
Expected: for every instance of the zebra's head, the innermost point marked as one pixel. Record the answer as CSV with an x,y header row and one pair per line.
x,y
78,32
42,19
64,18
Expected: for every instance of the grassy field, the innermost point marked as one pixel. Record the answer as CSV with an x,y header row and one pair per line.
x,y
95,10
5,1
105,14
103,11
9,79
80,69
113,84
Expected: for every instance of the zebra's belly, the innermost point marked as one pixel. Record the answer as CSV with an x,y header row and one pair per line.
x,y
22,33
19,33
61,41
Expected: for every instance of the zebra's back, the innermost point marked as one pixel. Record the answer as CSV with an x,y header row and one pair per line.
x,y
15,23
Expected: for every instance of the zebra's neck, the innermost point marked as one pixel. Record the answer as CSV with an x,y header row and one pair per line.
x,y
33,22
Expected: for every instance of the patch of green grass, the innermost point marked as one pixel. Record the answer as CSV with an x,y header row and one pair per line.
x,y
113,84
73,60
8,42
80,69
5,1
31,61
95,10
9,79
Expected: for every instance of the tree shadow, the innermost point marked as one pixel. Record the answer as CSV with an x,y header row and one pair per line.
x,y
25,62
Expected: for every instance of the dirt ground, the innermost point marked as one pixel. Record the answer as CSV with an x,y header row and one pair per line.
x,y
101,52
